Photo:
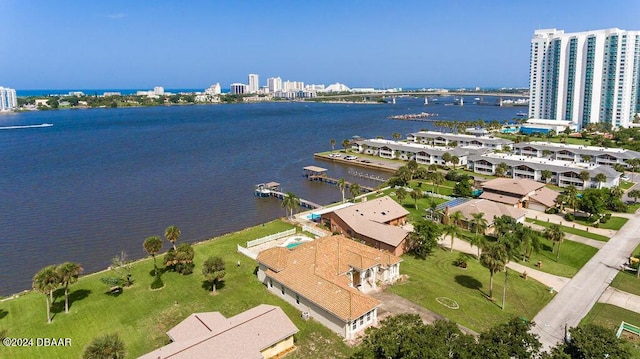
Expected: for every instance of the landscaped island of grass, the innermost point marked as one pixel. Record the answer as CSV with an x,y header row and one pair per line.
x,y
141,316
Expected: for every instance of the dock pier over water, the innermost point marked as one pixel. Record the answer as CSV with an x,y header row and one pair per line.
x,y
314,173
272,189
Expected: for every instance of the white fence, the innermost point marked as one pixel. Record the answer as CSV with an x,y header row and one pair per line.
x,y
271,237
315,231
247,252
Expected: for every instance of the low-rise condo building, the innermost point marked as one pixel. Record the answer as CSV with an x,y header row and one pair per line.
x,y
576,153
446,139
560,173
327,279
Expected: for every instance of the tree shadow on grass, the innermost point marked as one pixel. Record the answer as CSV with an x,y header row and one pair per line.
x,y
207,285
161,271
468,282
74,296
3,313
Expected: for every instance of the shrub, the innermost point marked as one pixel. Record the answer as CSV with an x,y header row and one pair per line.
x,y
108,346
552,210
569,217
181,259
157,283
461,261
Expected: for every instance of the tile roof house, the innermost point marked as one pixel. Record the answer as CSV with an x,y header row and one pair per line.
x,y
327,279
490,209
261,332
375,222
519,192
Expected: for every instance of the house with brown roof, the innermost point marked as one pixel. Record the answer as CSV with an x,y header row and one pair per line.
x,y
490,209
519,192
261,332
327,279
375,222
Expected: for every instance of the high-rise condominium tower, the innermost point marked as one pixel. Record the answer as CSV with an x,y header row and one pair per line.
x,y
8,99
274,84
253,84
585,77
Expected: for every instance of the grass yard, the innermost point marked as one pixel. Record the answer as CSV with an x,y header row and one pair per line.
x,y
423,203
578,232
573,256
610,316
142,316
437,277
628,281
633,207
626,185
614,223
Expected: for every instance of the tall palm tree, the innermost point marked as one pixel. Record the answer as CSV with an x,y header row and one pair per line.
x,y
457,217
634,193
572,197
437,178
355,190
479,225
455,160
153,245
346,144
214,270
396,136
584,176
452,231
600,178
616,192
546,175
333,144
494,257
555,234
290,201
172,234
401,194
45,282
68,273
342,184
530,242
416,194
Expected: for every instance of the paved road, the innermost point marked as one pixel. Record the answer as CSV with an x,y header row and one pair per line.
x,y
577,297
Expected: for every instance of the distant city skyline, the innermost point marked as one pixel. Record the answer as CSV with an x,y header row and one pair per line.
x,y
409,44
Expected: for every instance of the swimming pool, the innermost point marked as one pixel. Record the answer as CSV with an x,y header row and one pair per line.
x,y
295,241
293,245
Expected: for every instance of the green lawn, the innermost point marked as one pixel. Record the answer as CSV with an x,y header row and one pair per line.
x,y
610,316
437,277
626,185
628,281
578,232
142,316
573,256
633,207
423,203
614,223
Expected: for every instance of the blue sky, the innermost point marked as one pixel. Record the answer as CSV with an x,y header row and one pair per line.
x,y
192,44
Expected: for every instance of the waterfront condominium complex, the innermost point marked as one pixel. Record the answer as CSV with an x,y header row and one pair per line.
x,y
253,84
585,77
274,84
8,99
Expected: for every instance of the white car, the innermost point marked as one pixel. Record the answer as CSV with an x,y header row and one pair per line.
x,y
335,155
350,157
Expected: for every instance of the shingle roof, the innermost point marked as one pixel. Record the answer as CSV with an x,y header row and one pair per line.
x,y
317,271
489,208
546,196
519,186
369,218
581,150
497,197
205,335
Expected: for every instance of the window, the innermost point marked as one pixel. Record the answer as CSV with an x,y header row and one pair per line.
x,y
353,325
369,317
361,321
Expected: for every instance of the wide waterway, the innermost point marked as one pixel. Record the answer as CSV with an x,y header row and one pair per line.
x,y
100,181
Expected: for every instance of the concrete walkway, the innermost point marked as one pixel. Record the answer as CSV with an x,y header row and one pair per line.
x,y
571,237
621,299
550,280
557,219
393,304
577,297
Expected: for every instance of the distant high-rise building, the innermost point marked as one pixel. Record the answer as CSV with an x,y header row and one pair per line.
x,y
158,90
293,86
238,89
8,99
213,89
274,84
585,77
254,84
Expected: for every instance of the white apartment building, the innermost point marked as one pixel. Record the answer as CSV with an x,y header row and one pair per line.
x,y
158,90
585,77
238,89
8,99
254,84
213,89
274,84
293,86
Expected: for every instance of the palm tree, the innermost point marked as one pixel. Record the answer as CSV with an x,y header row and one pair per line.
x,y
172,234
401,194
560,201
600,178
396,136
346,144
616,192
457,217
479,225
529,241
455,160
342,184
502,169
214,270
45,282
333,144
451,230
634,193
635,164
546,153
555,234
416,194
290,201
437,178
584,176
107,346
153,245
355,190
68,273
494,257
572,197
413,167
586,158
546,175
446,157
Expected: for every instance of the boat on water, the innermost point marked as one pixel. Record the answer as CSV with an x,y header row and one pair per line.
x,y
522,114
26,126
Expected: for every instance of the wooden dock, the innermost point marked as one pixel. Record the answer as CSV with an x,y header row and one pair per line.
x,y
318,174
272,189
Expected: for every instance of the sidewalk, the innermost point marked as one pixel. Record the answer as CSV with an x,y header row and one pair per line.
x,y
621,299
550,280
557,219
571,237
